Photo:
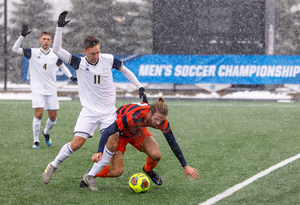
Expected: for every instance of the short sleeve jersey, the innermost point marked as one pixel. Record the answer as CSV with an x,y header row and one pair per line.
x,y
131,117
95,83
42,69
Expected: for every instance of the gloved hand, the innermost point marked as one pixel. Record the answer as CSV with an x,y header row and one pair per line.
x,y
142,94
25,31
62,19
74,79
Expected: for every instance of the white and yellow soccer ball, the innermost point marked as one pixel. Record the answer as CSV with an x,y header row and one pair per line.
x,y
139,183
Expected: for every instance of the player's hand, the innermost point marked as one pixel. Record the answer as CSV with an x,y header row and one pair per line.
x,y
62,19
142,94
97,157
74,79
190,171
25,31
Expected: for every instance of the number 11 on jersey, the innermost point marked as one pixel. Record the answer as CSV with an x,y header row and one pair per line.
x,y
97,79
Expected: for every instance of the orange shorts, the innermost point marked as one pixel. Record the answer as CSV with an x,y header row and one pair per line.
x,y
135,140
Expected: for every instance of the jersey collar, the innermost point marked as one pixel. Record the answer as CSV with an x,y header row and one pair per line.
x,y
93,64
45,52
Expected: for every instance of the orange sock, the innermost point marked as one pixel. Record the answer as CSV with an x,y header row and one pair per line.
x,y
104,172
150,164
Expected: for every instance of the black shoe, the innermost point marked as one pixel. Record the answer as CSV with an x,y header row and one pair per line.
x,y
155,177
48,139
82,183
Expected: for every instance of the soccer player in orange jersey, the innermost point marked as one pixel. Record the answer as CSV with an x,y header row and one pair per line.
x,y
130,127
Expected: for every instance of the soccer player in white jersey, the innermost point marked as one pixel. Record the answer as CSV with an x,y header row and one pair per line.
x,y
96,92
43,64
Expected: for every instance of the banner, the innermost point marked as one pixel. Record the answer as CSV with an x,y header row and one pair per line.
x,y
215,69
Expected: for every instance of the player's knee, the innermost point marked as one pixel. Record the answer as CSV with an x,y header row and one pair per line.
x,y
116,172
76,145
156,157
112,142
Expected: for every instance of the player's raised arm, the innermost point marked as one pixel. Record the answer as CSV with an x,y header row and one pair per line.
x,y
57,49
17,46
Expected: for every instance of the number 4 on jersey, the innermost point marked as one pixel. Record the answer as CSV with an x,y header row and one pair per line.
x,y
45,66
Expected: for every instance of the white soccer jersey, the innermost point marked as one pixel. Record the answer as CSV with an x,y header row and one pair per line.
x,y
42,68
95,83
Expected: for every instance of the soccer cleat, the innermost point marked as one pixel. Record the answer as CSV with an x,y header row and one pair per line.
x,y
48,173
154,176
36,145
88,179
48,139
82,184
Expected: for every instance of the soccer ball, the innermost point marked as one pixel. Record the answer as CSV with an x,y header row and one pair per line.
x,y
139,183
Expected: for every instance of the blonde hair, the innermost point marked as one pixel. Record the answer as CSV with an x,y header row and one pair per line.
x,y
159,106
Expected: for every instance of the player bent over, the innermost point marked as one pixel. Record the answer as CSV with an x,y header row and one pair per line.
x,y
130,126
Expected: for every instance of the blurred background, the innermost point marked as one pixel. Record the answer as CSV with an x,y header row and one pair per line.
x,y
187,27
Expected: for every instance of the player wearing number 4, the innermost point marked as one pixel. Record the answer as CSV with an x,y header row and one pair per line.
x,y
130,127
43,64
96,92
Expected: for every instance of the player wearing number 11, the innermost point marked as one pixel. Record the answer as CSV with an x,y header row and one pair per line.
x,y
96,91
43,64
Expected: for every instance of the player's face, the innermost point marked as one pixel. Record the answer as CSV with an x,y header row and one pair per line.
x,y
45,41
92,54
156,118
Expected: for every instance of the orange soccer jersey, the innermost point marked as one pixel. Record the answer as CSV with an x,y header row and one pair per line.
x,y
131,117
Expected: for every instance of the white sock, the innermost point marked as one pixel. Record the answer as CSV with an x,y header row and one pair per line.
x,y
49,125
63,154
97,167
36,126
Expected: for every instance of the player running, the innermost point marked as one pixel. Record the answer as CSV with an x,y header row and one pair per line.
x,y
43,64
130,126
96,92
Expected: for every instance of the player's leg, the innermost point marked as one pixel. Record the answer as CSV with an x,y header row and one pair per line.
x,y
52,105
151,148
36,126
86,125
108,152
117,166
38,103
51,121
63,154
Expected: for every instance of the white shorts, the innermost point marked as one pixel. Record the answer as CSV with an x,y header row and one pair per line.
x,y
87,123
48,102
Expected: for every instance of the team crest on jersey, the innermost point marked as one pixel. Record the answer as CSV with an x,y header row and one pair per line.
x,y
105,69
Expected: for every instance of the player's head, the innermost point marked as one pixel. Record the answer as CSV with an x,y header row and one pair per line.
x,y
158,111
92,48
45,39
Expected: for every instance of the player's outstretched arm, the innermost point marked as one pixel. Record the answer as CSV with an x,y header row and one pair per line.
x,y
17,46
190,171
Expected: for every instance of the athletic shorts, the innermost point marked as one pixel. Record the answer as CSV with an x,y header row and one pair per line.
x,y
135,140
48,102
87,123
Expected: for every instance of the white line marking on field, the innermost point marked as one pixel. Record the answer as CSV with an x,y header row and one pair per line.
x,y
237,187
